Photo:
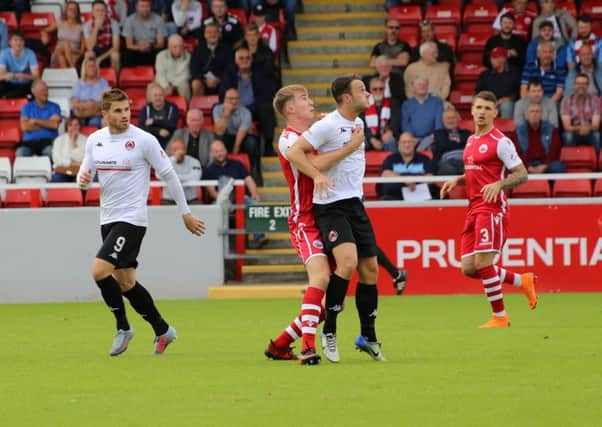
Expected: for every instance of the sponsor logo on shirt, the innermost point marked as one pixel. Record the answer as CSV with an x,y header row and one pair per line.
x,y
99,144
483,148
318,244
333,236
130,145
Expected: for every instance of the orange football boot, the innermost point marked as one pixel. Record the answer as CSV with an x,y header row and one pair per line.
x,y
528,286
496,322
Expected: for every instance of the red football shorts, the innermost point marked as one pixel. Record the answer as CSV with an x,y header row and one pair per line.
x,y
483,232
306,239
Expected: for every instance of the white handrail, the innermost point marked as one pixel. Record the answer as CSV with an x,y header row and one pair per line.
x,y
45,185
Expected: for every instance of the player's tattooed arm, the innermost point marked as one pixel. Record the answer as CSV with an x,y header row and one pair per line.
x,y
517,176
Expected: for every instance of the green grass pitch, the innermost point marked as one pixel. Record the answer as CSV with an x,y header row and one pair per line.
x,y
442,371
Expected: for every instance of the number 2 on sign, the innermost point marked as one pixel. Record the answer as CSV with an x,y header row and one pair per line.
x,y
272,226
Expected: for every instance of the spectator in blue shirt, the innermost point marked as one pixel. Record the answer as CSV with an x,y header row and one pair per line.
x,y
3,36
546,33
422,114
544,69
40,120
18,68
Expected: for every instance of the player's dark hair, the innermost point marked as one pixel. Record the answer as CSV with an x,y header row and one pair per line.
x,y
509,16
342,85
112,95
485,95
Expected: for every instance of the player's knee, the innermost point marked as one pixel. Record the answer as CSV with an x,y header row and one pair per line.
x,y
346,266
469,271
125,284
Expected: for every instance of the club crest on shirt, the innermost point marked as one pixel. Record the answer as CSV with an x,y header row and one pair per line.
x,y
318,244
333,236
130,145
483,148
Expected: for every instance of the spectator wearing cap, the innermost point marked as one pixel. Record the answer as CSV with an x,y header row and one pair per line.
x,y
514,44
427,34
396,50
502,80
266,31
546,33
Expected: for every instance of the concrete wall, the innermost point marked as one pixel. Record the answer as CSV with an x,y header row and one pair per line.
x,y
46,254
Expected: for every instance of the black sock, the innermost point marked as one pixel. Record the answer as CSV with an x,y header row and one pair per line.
x,y
111,293
386,263
142,301
335,297
366,301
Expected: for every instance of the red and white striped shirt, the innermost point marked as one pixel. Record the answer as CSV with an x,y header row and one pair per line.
x,y
269,34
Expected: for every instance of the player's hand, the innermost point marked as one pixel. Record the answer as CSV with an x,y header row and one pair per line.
x,y
85,178
357,137
491,191
447,187
321,185
195,225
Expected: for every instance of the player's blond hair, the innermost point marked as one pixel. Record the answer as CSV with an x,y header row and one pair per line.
x,y
112,95
286,94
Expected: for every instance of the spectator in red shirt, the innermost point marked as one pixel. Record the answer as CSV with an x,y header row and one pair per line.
x,y
539,143
523,19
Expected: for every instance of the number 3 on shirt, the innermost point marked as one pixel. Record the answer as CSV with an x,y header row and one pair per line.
x,y
484,235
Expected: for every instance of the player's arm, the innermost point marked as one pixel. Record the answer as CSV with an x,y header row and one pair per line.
x,y
86,170
506,152
159,160
451,184
297,154
325,161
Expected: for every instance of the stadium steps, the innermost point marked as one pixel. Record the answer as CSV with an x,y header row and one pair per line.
x,y
300,47
340,32
316,6
344,60
340,19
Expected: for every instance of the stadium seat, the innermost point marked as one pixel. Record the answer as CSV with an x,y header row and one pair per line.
x,y
86,16
462,100
137,103
593,8
16,198
374,161
154,196
92,197
471,47
10,19
180,102
190,43
243,158
370,191
60,81
134,80
466,75
63,197
409,35
581,158
55,7
32,169
532,189
572,188
427,153
444,15
446,29
204,103
9,153
32,23
449,38
531,5
11,108
110,75
570,7
479,14
467,124
87,130
457,3
407,16
598,188
6,171
9,137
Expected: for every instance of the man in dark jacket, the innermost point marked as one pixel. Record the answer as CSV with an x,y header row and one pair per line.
x,y
159,117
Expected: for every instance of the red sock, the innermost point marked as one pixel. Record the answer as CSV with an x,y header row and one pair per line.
x,y
310,316
290,334
493,289
507,276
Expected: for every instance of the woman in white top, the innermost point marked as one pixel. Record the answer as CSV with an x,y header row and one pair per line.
x,y
68,152
187,17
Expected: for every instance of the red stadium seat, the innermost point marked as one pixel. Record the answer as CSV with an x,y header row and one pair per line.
x,y
9,137
180,102
457,3
466,75
462,100
208,122
10,19
427,153
87,130
154,196
63,197
240,14
33,22
1,202
8,152
86,16
134,80
446,29
370,191
532,189
505,125
593,8
579,159
471,47
137,103
479,14
204,103
407,16
570,7
374,161
572,188
409,35
532,6
448,38
598,188
93,197
444,15
11,108
243,158
109,75
467,124
23,198
190,43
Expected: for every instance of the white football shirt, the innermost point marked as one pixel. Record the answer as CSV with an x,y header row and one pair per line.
x,y
123,164
332,133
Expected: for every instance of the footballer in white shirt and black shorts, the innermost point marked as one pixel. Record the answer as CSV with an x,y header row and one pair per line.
x,y
340,215
121,155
